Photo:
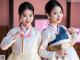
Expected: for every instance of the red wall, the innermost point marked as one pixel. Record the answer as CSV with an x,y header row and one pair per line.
x,y
4,12
75,14
38,5
39,8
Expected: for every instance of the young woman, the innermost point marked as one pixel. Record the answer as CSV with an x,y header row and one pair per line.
x,y
25,39
56,40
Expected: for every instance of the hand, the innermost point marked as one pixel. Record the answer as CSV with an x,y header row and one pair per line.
x,y
61,53
72,30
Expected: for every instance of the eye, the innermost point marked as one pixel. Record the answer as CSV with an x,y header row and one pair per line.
x,y
24,15
61,12
55,13
30,15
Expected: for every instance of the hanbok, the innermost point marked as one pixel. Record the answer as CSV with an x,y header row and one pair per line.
x,y
57,37
24,48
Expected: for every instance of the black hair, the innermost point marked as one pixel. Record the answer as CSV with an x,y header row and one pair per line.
x,y
51,4
25,5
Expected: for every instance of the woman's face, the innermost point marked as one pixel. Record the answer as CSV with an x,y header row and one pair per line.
x,y
27,17
56,15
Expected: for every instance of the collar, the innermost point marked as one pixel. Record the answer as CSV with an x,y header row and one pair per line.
x,y
54,28
26,32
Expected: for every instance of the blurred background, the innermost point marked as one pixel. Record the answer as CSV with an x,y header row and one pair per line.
x,y
9,17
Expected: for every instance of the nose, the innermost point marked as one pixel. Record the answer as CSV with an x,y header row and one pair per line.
x,y
58,15
27,18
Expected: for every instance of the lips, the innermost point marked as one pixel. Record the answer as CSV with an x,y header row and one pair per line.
x,y
57,19
26,21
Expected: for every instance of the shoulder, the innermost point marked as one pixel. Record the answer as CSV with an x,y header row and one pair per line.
x,y
36,30
14,30
46,31
64,27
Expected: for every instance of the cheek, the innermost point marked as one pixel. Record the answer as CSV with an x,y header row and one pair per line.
x,y
62,16
23,19
53,17
31,19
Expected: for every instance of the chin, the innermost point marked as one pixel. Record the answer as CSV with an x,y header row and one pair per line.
x,y
26,25
59,21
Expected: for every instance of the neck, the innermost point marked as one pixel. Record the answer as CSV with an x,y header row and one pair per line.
x,y
26,27
55,24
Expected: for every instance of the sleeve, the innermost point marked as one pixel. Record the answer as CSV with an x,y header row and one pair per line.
x,y
39,39
74,37
7,41
44,42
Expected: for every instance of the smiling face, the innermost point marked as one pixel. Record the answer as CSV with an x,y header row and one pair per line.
x,y
55,15
27,18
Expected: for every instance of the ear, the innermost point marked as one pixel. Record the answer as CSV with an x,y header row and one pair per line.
x,y
20,22
48,16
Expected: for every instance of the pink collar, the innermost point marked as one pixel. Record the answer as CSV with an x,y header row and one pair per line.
x,y
26,33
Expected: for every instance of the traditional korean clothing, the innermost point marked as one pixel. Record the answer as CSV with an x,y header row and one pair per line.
x,y
25,47
57,36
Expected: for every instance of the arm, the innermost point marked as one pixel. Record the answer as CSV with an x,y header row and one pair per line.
x,y
39,40
45,37
7,41
74,34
